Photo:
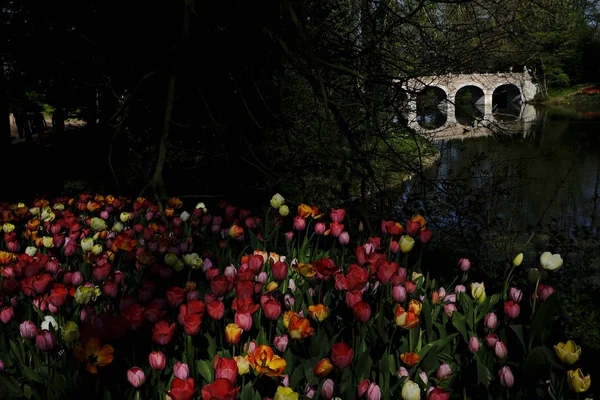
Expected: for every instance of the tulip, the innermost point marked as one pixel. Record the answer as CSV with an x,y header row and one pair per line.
x,y
518,259
157,360
415,307
464,264
438,394
500,349
242,364
491,340
264,361
243,320
136,377
322,368
506,377
344,238
515,295
373,392
281,342
460,289
511,309
402,372
70,332
318,312
363,386
544,291
577,381
473,344
410,359
7,314
225,368
551,262
276,201
478,292
449,309
45,340
424,378
444,371
220,388
327,389
341,355
411,390
568,352
362,311
233,333
320,228
284,210
285,393
490,320
299,223
399,294
1,365
181,370
28,330
405,320
406,243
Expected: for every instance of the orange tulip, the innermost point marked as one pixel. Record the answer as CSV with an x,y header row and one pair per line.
x,y
265,362
169,212
233,333
300,328
236,232
175,202
95,355
33,224
420,220
415,306
6,257
287,316
304,210
307,270
405,320
322,368
109,199
92,206
318,312
99,198
409,358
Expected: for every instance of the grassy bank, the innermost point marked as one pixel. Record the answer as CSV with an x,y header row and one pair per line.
x,y
582,97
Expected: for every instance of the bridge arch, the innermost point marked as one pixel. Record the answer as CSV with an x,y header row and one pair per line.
x,y
469,103
432,106
506,101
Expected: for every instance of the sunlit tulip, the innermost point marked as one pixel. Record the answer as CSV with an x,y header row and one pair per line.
x,y
411,390
551,262
577,381
568,352
264,361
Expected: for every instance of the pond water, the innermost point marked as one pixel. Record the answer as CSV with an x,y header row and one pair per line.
x,y
542,170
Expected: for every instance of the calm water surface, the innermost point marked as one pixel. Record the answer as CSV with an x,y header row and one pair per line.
x,y
546,172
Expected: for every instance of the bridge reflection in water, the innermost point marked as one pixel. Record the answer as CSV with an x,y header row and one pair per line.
x,y
470,121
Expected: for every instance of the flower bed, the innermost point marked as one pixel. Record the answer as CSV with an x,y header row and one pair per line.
x,y
104,297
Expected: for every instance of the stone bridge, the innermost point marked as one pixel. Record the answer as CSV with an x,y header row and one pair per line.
x,y
487,93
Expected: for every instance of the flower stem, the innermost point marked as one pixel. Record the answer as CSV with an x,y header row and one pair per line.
x,y
535,295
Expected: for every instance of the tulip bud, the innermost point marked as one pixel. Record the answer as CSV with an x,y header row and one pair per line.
x,y
399,293
406,243
181,370
281,342
518,260
136,377
490,320
506,377
373,392
157,360
473,344
402,372
28,330
515,295
444,371
327,389
500,349
449,309
464,264
363,386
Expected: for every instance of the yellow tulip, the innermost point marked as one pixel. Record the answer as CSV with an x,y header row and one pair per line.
x,y
568,352
518,260
478,292
47,241
286,393
277,200
272,286
406,243
577,381
284,210
8,227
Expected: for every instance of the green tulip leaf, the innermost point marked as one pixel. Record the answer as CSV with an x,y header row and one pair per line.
x,y
483,373
297,376
363,366
426,313
205,370
212,346
542,317
518,330
458,320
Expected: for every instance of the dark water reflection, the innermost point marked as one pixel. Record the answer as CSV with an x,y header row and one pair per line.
x,y
552,173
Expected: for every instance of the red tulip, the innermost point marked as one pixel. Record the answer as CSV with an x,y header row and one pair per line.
x,y
325,266
353,297
272,309
191,324
134,316
216,309
511,309
357,277
243,320
220,389
136,377
341,355
182,389
162,333
226,368
219,285
386,272
244,288
362,311
45,340
279,270
438,394
175,296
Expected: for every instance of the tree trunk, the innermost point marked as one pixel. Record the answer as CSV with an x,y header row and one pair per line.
x,y
5,137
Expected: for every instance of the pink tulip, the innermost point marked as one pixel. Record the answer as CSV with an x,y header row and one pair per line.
x,y
136,377
7,314
506,377
515,295
500,349
460,289
344,238
181,370
45,340
449,309
511,309
399,293
473,344
373,392
444,371
464,264
491,340
363,386
490,320
327,389
281,342
28,330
